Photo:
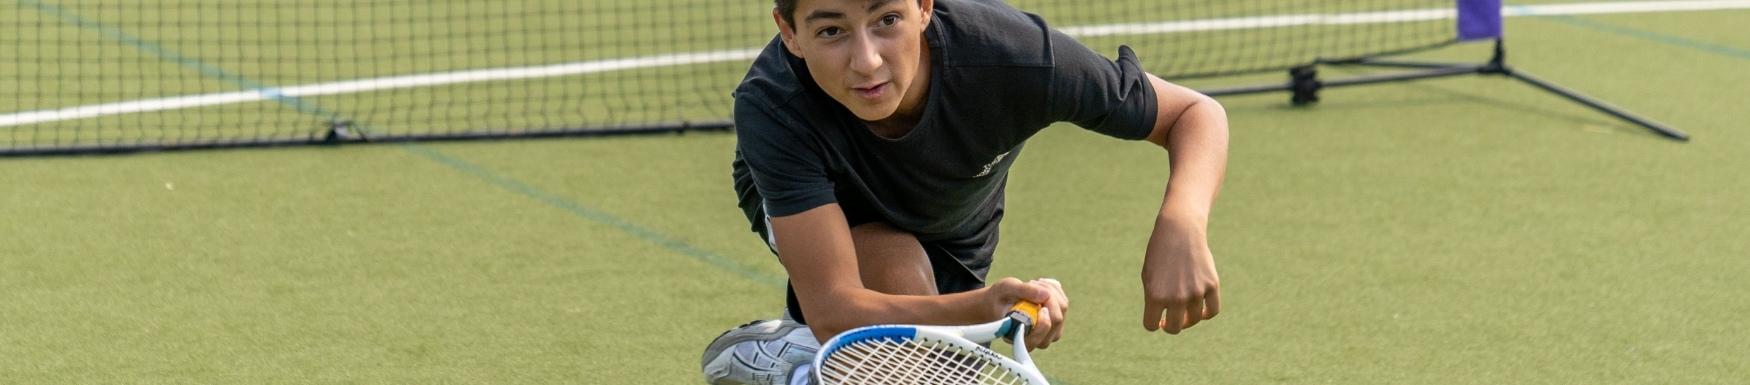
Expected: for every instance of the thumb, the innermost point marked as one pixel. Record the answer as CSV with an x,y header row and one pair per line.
x,y
1036,293
1013,290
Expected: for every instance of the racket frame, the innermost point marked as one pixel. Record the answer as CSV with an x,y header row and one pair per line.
x,y
968,338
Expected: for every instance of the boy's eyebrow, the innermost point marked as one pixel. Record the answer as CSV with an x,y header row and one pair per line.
x,y
877,4
820,14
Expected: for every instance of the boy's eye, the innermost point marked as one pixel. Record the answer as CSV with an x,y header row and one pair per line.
x,y
828,32
889,20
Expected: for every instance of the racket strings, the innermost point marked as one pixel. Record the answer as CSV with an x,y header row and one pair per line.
x,y
891,361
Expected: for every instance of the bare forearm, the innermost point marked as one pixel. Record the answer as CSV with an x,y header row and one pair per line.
x,y
849,308
1197,147
817,251
1192,128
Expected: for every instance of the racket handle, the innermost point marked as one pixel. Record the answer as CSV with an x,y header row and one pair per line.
x,y
1025,312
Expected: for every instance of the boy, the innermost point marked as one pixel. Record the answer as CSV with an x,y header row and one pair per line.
x,y
874,139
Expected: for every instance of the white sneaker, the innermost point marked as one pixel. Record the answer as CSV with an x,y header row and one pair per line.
x,y
758,353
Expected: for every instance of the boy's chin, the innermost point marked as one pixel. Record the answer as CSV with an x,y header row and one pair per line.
x,y
872,114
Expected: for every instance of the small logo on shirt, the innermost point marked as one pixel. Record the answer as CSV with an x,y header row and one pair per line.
x,y
993,163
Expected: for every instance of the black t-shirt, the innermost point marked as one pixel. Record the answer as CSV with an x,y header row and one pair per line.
x,y
998,76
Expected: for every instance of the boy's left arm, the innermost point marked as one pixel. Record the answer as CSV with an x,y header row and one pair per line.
x,y
1180,285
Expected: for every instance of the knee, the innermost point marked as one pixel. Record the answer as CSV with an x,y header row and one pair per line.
x,y
892,261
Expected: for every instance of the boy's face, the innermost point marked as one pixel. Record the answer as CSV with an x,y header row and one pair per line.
x,y
866,54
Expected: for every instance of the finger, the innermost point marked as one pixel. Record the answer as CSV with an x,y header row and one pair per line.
x,y
1053,283
1212,303
1056,325
1062,296
1057,321
1057,331
1151,315
1059,305
1175,319
1193,312
1040,336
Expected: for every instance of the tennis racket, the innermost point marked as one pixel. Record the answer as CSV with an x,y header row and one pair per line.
x,y
931,355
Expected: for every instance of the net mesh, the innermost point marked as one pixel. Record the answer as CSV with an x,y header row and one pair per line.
x,y
123,74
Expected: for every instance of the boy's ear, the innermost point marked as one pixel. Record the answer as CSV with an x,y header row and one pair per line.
x,y
927,7
786,32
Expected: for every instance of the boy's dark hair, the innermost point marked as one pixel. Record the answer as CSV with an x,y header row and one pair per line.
x,y
786,10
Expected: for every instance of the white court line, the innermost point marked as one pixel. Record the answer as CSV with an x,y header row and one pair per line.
x,y
372,84
589,67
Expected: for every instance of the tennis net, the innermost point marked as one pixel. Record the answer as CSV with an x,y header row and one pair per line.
x,y
114,75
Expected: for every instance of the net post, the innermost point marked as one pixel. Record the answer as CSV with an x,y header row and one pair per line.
x,y
1497,62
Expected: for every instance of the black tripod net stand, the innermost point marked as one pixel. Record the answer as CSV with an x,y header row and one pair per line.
x,y
1305,84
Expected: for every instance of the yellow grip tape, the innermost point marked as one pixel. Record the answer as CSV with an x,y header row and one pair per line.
x,y
1028,309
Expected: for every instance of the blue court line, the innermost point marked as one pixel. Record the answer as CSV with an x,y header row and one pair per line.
x,y
599,216
495,179
1671,40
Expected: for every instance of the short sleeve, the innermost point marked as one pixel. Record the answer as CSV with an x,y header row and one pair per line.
x,y
1113,98
789,168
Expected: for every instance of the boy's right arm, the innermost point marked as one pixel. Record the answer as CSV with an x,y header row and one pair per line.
x,y
816,249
